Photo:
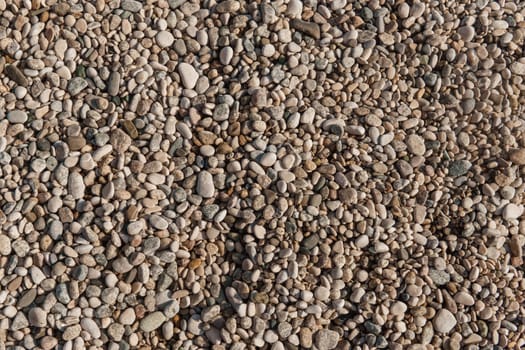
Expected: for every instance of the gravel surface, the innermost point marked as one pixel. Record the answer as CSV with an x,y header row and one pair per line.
x,y
233,174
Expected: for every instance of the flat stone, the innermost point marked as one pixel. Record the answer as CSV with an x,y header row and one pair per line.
x,y
188,75
131,5
205,185
152,321
309,28
71,332
76,187
512,211
517,156
228,6
90,326
76,85
120,141
444,321
439,277
5,245
464,298
17,117
416,145
16,75
121,265
459,167
113,85
37,317
310,242
326,339
164,39
518,68
158,222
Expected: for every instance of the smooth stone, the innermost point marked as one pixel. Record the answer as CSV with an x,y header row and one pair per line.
x,y
517,156
164,39
205,185
90,326
416,145
16,75
512,211
459,167
439,277
398,308
5,245
464,298
37,317
76,187
444,321
17,117
310,28
326,339
158,222
268,159
226,55
152,321
113,83
131,5
188,75
76,85
467,33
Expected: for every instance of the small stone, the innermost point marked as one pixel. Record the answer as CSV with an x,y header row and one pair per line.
x,y
17,117
164,39
326,339
188,75
16,75
518,68
444,321
309,28
416,145
464,298
439,277
512,211
72,332
228,6
19,322
120,141
459,167
467,33
5,245
310,242
398,308
127,317
205,186
130,128
76,187
48,343
158,222
114,83
294,9
76,85
131,5
90,326
210,313
37,317
121,265
517,156
152,321
322,293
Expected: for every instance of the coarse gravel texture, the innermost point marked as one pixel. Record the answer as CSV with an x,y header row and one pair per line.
x,y
234,174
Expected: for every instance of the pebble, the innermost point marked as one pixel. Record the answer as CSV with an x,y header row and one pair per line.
x,y
188,75
16,75
76,85
164,39
152,321
205,185
512,211
326,339
37,317
444,321
17,117
416,145
517,156
131,5
76,186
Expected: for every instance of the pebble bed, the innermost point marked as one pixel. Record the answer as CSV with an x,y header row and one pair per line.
x,y
316,174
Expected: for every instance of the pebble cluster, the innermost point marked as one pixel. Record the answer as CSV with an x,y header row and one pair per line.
x,y
234,174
